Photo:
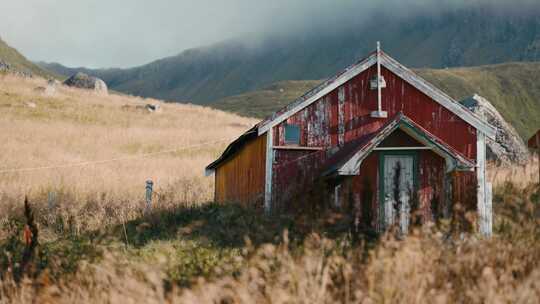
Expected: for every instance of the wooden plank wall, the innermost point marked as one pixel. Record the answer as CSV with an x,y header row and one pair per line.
x,y
322,125
241,178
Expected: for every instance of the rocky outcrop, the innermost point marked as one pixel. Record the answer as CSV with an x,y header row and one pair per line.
x,y
83,81
5,67
508,147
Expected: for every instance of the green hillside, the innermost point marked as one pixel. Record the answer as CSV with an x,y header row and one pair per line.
x,y
513,88
263,102
18,62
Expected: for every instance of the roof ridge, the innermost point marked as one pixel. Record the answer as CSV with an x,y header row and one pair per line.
x,y
429,84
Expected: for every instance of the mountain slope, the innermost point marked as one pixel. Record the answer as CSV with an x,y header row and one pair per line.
x,y
263,102
462,37
18,62
513,88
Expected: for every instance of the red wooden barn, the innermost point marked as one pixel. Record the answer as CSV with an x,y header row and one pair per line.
x,y
379,140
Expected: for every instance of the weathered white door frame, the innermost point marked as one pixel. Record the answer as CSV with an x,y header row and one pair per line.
x,y
484,199
381,170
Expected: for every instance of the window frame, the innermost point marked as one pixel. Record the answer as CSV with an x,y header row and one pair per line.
x,y
287,128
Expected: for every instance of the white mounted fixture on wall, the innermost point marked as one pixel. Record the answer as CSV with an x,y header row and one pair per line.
x,y
380,83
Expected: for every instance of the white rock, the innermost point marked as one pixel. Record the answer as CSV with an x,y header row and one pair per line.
x,y
508,146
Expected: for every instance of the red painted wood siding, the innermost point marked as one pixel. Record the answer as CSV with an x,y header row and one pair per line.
x,y
344,115
319,122
431,192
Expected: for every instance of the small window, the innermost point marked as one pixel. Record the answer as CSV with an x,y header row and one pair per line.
x,y
292,134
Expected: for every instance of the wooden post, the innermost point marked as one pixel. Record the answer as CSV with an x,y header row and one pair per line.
x,y
149,186
483,206
51,200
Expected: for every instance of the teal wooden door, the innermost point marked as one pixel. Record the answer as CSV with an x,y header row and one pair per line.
x,y
398,174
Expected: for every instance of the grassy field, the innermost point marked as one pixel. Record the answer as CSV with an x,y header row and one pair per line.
x,y
99,244
512,88
75,126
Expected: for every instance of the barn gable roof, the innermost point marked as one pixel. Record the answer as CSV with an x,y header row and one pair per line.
x,y
395,67
339,79
349,164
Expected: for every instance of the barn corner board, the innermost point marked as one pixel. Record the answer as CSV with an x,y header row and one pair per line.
x,y
367,162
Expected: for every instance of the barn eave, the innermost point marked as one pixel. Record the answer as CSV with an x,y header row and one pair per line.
x,y
231,150
350,165
394,66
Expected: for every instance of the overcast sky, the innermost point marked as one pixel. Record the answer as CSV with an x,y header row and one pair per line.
x,y
123,33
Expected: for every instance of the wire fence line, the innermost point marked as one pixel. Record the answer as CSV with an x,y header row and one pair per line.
x,y
104,161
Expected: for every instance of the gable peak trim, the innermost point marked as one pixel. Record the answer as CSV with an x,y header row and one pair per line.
x,y
395,67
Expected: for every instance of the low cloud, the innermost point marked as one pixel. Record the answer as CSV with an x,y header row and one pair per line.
x,y
122,33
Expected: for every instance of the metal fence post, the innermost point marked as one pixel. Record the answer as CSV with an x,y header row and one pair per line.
x,y
51,200
149,186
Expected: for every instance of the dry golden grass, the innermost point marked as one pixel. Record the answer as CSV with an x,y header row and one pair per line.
x,y
518,175
429,266
75,126
78,263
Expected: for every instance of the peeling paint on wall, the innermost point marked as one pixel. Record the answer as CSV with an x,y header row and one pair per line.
x,y
343,116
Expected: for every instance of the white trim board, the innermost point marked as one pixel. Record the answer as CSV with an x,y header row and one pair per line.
x,y
401,148
483,201
398,69
268,172
453,161
298,148
439,96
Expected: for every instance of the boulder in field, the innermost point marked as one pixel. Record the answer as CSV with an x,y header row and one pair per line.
x,y
84,81
508,147
153,108
53,82
49,89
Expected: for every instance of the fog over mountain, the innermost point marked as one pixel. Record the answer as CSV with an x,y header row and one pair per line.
x,y
125,33
418,36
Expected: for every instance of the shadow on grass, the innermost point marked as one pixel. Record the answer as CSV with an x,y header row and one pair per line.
x,y
202,238
223,225
57,257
